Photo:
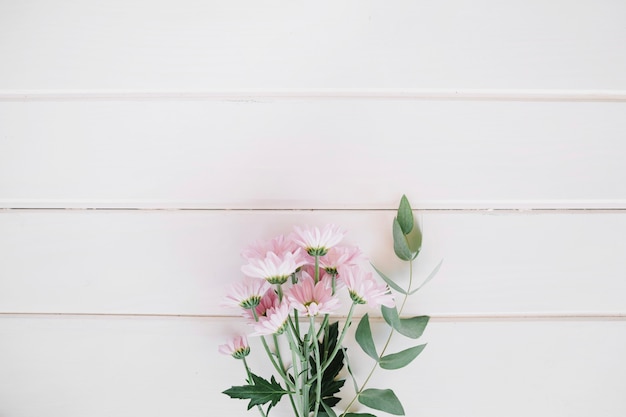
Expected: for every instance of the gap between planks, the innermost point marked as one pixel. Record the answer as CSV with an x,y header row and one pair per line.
x,y
563,316
253,95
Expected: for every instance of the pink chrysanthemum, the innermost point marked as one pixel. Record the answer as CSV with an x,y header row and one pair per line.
x,y
246,293
315,241
278,245
269,300
273,268
363,288
274,322
312,299
341,255
237,347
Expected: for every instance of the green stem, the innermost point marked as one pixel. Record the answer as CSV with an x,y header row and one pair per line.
x,y
318,387
382,353
250,381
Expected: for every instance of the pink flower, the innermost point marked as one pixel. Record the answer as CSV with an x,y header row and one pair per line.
x,y
273,268
310,298
278,245
269,300
363,288
315,241
247,293
274,321
237,347
341,255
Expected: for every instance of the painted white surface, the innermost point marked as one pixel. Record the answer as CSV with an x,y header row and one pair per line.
x,y
190,44
210,106
163,367
284,154
182,262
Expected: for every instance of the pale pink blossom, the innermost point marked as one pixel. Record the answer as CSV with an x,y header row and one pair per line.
x,y
246,293
237,347
315,241
312,299
278,245
269,300
275,320
363,288
341,255
273,268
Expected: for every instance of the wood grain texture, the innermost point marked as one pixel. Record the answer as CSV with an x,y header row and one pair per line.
x,y
277,154
189,44
74,367
181,262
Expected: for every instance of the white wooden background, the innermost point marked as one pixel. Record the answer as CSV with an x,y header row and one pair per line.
x,y
143,144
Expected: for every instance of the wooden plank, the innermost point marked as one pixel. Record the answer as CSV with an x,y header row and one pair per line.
x,y
181,262
71,367
285,154
244,44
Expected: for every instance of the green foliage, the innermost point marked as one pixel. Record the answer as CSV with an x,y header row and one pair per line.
x,y
400,359
364,338
330,386
383,400
389,281
412,327
405,216
259,393
407,239
400,244
359,415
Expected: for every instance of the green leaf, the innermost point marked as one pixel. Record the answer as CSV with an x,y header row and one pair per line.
x,y
261,392
359,415
389,281
400,245
405,216
363,337
328,410
330,386
431,276
383,400
412,327
400,359
390,314
414,240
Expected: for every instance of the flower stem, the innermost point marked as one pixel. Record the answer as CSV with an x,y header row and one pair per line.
x,y
250,381
382,353
318,367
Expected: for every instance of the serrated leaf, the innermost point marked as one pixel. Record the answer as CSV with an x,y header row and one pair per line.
x,y
383,400
430,276
261,392
364,338
328,411
400,245
405,216
330,386
389,281
400,359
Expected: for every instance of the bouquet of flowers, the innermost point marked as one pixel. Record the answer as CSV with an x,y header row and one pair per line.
x,y
292,286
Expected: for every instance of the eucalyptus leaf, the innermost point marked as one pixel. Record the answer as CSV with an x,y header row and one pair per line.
x,y
389,281
390,314
405,216
413,327
414,241
400,359
364,338
383,400
400,245
430,276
